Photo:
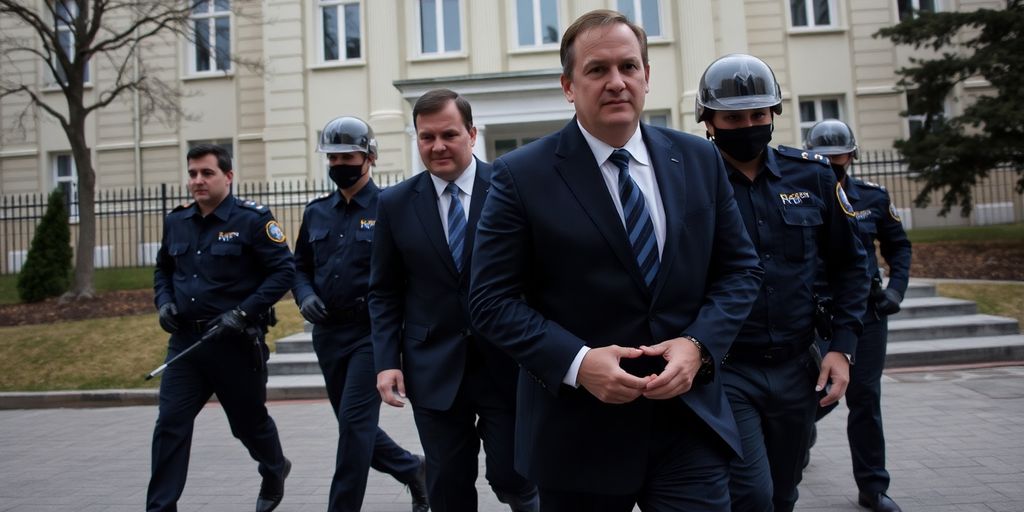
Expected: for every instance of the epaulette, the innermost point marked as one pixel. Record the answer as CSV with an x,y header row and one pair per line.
x,y
252,205
321,197
182,206
803,154
872,184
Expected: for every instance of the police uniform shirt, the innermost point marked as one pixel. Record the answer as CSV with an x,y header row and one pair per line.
x,y
877,219
793,215
332,252
236,256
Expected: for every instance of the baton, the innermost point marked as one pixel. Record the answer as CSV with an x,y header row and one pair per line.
x,y
206,336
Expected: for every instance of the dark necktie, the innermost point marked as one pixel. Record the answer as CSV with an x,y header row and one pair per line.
x,y
637,219
456,225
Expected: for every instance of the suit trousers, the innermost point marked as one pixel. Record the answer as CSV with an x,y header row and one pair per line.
x,y
352,390
864,399
774,407
451,442
224,367
688,469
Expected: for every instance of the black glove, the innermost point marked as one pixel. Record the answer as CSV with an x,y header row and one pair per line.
x,y
313,309
888,302
229,323
169,317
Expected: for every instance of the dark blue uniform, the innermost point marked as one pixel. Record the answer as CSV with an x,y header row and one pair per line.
x,y
877,220
332,259
794,213
234,257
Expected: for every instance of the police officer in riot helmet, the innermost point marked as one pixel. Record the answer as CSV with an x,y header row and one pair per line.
x,y
799,219
332,262
877,220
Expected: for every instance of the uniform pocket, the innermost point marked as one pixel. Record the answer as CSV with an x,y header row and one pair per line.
x,y
318,242
801,231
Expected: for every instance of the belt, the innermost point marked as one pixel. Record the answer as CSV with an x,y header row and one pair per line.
x,y
769,356
357,313
196,325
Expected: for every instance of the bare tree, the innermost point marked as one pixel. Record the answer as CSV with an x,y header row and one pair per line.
x,y
66,36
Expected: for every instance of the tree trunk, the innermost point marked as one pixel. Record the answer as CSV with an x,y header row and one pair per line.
x,y
82,286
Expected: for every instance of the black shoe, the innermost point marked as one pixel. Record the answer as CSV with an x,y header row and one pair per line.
x,y
272,491
878,502
418,487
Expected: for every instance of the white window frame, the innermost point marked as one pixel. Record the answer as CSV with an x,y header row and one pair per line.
x,y
833,15
439,28
72,199
340,20
667,114
211,16
915,6
62,26
818,112
638,10
535,18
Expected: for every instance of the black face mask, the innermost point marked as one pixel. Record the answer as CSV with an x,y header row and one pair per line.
x,y
345,175
840,171
744,144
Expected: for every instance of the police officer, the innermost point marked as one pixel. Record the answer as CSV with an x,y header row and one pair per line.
x,y
332,259
796,214
223,263
877,220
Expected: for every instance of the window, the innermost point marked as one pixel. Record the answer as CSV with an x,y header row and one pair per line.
x,y
814,110
811,13
340,31
65,177
909,8
210,50
506,144
659,119
917,115
65,14
537,22
646,13
440,31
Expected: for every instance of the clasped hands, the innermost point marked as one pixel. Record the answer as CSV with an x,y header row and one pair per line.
x,y
601,374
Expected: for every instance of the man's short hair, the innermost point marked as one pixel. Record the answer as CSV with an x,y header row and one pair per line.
x,y
201,150
594,19
436,100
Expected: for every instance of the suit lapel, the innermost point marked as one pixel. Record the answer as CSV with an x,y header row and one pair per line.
x,y
426,209
582,174
481,185
669,172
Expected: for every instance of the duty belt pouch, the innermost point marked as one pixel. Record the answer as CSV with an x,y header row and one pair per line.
x,y
258,350
823,317
815,355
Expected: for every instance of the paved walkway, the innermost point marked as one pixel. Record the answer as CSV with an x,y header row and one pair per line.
x,y
955,444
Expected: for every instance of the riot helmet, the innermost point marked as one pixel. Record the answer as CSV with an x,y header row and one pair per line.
x,y
345,135
737,82
831,137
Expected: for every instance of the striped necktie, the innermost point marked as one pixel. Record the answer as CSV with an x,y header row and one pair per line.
x,y
637,219
456,225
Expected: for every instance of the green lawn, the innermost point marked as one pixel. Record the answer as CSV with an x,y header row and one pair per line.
x,y
105,279
993,299
1012,232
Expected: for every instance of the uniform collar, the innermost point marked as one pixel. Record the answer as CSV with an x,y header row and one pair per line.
x,y
851,188
770,162
362,198
222,211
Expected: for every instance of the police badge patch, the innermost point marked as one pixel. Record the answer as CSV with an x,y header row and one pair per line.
x,y
844,202
895,215
274,232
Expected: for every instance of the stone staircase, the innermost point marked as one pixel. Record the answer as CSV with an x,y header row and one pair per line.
x,y
928,331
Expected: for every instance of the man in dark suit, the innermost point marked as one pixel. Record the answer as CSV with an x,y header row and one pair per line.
x,y
611,262
462,389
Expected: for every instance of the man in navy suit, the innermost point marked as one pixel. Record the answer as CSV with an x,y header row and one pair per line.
x,y
462,389
611,262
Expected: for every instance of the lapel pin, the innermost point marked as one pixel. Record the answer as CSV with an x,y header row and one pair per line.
x,y
674,160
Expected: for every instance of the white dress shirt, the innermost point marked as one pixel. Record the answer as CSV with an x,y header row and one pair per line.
x,y
465,184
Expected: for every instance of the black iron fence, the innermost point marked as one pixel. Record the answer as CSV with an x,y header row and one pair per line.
x,y
129,222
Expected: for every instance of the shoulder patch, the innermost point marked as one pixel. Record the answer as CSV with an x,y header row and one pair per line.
x,y
844,202
252,205
893,213
274,232
803,154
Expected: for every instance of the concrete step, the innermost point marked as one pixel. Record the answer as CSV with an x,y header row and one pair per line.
x,y
300,363
957,326
930,307
296,387
984,349
296,343
918,289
